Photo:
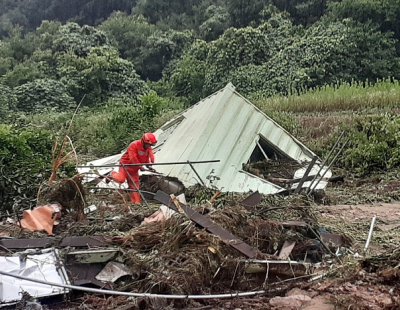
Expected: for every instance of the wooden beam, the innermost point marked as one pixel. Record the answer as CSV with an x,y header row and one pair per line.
x,y
209,225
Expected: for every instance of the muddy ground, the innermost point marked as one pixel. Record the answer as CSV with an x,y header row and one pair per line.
x,y
355,279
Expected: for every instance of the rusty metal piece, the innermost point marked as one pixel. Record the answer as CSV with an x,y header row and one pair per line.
x,y
41,218
251,201
25,243
209,225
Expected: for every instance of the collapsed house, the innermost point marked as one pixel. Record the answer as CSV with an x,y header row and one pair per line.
x,y
217,138
223,249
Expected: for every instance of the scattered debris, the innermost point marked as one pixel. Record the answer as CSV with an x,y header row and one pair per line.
x,y
41,218
164,213
184,253
209,225
112,272
42,265
252,200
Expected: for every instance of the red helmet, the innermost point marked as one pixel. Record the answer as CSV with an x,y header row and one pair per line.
x,y
149,138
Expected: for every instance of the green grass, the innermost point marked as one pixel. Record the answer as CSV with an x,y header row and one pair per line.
x,y
352,97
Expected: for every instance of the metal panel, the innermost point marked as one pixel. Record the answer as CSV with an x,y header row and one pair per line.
x,y
25,243
84,241
225,126
252,200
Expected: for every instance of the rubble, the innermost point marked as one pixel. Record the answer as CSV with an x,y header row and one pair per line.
x,y
183,261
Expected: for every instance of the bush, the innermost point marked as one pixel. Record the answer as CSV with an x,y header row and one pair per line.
x,y
45,94
107,130
25,162
7,101
374,144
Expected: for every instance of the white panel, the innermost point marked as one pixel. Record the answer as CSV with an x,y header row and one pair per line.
x,y
245,182
41,267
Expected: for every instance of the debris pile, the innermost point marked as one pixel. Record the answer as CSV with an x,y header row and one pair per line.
x,y
213,249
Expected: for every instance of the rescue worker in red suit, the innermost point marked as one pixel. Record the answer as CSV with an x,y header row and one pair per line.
x,y
139,151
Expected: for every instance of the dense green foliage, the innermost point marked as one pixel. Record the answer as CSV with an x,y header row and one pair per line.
x,y
25,162
98,132
128,62
268,52
374,144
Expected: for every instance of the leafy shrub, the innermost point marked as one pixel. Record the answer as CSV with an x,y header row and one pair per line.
x,y
43,94
129,123
7,100
72,37
100,76
107,130
374,144
25,162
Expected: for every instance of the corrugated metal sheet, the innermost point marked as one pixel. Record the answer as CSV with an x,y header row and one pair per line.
x,y
224,126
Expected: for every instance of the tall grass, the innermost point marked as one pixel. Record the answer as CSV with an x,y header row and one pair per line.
x,y
355,96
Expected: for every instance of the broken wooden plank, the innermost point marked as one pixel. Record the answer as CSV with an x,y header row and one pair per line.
x,y
209,225
26,243
294,224
277,266
286,249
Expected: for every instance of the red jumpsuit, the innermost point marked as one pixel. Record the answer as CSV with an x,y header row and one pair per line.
x,y
135,154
